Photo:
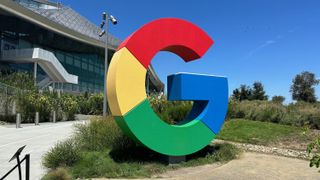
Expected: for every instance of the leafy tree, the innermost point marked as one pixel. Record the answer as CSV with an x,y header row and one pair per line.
x,y
303,85
242,93
245,92
278,99
258,92
236,94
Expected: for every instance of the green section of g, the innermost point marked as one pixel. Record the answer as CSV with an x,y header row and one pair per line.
x,y
143,125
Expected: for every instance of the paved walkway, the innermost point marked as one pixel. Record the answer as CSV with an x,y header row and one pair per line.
x,y
251,166
39,139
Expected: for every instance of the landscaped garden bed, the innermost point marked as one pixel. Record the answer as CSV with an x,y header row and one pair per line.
x,y
99,149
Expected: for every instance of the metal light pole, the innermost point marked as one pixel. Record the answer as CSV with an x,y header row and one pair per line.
x,y
105,21
35,70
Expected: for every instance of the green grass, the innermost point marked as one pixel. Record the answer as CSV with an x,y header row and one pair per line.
x,y
140,162
257,132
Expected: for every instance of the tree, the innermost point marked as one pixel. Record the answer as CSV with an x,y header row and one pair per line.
x,y
278,99
303,85
258,92
236,94
242,93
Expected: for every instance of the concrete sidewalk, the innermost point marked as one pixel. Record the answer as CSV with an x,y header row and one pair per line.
x,y
39,139
248,166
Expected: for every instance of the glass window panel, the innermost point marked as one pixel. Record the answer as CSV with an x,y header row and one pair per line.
x,y
77,62
60,57
84,65
69,60
90,67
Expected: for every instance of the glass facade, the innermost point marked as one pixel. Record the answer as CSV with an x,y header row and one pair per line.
x,y
85,61
88,67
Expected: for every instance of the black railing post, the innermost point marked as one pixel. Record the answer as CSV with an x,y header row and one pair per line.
x,y
19,167
27,166
16,156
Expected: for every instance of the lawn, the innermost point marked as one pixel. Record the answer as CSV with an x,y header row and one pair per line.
x,y
264,133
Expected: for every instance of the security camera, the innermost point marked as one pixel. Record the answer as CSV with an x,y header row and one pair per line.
x,y
102,24
113,20
102,33
104,16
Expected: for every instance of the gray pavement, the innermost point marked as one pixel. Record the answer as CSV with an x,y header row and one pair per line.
x,y
250,166
39,139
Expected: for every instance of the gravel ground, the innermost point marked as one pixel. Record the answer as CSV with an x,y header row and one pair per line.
x,y
268,150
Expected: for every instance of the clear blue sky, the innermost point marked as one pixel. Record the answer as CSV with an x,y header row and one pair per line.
x,y
270,41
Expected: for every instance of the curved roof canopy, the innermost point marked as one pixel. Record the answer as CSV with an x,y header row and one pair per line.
x,y
60,19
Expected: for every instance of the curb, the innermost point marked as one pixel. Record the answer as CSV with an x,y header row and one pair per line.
x,y
267,150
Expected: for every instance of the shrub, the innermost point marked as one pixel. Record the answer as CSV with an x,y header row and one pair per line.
x,y
256,110
100,134
296,114
171,112
96,103
69,105
58,174
30,102
8,118
15,79
83,103
314,147
62,154
90,103
303,114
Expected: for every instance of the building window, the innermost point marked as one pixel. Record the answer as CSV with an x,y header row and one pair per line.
x,y
91,67
77,62
69,60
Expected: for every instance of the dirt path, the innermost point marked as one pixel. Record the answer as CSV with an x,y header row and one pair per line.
x,y
249,166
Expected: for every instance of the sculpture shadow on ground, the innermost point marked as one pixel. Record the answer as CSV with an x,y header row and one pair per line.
x,y
141,154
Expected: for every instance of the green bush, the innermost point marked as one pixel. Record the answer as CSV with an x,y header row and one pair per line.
x,y
97,135
20,80
45,102
84,106
314,147
8,118
100,134
90,103
69,105
171,112
32,101
96,103
296,114
62,154
58,174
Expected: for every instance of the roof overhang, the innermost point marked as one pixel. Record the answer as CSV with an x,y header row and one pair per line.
x,y
20,11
